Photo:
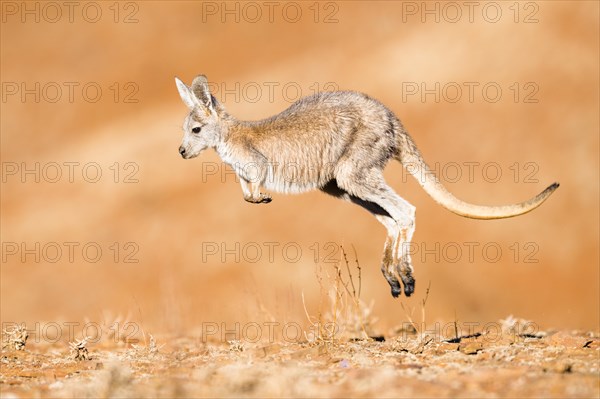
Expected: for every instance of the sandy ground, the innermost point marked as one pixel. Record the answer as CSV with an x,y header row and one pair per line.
x,y
337,352
551,365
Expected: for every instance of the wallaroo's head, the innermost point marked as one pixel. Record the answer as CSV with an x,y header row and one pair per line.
x,y
201,128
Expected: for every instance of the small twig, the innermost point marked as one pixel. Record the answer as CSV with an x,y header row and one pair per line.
x,y
349,272
305,310
17,337
409,316
79,351
337,296
424,302
459,339
359,270
141,320
340,279
307,315
321,291
456,327
352,295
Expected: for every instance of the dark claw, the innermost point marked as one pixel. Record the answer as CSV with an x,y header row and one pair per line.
x,y
396,288
266,200
409,285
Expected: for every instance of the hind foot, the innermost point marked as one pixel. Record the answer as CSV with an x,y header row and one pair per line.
x,y
409,284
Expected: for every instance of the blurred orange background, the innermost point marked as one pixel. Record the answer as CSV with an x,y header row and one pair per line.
x,y
203,253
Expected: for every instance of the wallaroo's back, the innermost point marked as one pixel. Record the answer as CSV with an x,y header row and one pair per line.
x,y
303,144
339,143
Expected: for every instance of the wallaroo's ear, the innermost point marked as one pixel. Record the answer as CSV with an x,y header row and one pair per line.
x,y
201,91
186,94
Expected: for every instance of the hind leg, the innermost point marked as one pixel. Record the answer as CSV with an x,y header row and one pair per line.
x,y
388,262
370,186
403,262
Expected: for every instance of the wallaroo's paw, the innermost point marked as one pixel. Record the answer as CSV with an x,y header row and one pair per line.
x,y
394,285
409,285
263,199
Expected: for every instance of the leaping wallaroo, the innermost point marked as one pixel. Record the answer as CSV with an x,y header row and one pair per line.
x,y
337,142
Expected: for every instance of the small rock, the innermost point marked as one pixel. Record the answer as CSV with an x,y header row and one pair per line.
x,y
445,347
567,340
267,350
470,348
310,353
563,367
410,366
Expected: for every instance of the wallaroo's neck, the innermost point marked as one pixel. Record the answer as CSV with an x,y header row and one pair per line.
x,y
226,120
229,123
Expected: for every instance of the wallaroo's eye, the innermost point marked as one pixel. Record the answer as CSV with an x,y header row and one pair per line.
x,y
196,130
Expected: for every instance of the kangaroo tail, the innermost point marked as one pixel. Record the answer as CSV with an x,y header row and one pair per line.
x,y
411,159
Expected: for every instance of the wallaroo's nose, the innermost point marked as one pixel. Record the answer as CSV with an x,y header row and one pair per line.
x,y
182,150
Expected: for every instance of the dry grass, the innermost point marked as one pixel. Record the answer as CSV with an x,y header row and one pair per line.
x,y
341,315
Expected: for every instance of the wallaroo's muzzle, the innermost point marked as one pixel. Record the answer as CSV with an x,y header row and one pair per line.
x,y
182,150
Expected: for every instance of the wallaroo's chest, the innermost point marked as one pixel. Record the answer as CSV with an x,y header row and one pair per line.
x,y
279,174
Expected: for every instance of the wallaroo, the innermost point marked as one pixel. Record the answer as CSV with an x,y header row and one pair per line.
x,y
339,143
